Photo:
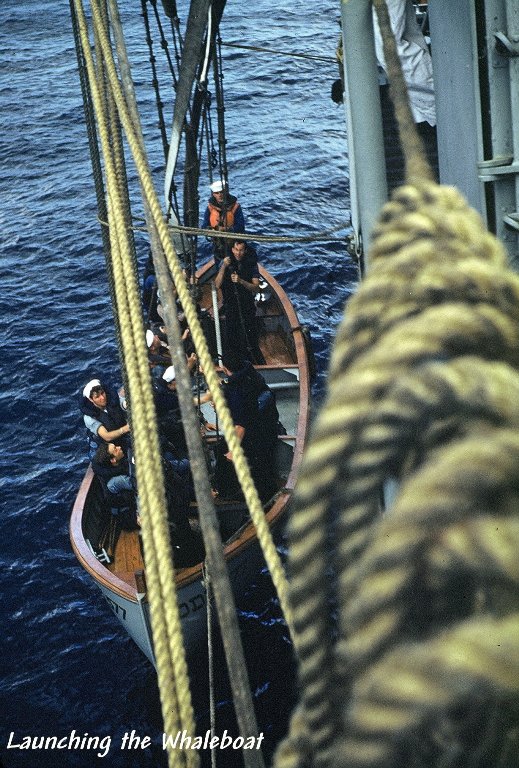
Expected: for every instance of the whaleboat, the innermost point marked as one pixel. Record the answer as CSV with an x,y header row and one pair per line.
x,y
113,556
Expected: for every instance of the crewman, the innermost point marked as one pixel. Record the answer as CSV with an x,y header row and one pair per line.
x,y
239,279
103,415
223,214
169,419
159,355
255,428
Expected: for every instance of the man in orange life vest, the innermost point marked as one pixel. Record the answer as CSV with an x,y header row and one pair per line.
x,y
223,213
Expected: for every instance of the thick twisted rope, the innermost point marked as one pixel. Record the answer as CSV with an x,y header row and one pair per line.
x,y
171,667
438,681
486,324
424,365
357,446
443,559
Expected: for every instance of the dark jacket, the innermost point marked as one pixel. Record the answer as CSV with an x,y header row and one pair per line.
x,y
169,418
107,471
113,417
252,404
234,293
244,392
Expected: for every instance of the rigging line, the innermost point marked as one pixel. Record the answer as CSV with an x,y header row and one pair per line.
x,y
220,112
262,238
318,237
210,658
95,156
120,167
155,79
156,85
328,59
215,560
178,42
212,159
164,43
149,473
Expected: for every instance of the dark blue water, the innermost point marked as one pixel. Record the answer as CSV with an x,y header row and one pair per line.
x,y
65,664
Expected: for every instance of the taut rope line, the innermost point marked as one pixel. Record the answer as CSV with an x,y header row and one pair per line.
x,y
277,52
171,667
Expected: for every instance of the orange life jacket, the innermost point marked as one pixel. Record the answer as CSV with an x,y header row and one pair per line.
x,y
217,219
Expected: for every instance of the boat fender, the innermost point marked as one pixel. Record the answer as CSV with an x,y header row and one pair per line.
x,y
309,347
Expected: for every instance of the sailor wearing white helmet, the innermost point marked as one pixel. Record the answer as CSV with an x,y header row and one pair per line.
x,y
223,214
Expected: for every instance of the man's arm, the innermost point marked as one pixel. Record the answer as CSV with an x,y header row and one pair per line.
x,y
113,434
253,286
240,431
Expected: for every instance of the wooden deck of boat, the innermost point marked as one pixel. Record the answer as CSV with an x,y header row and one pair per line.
x,y
127,557
274,349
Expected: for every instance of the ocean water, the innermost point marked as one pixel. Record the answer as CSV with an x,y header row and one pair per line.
x,y
66,665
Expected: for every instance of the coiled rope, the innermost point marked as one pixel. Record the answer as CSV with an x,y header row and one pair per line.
x,y
406,621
